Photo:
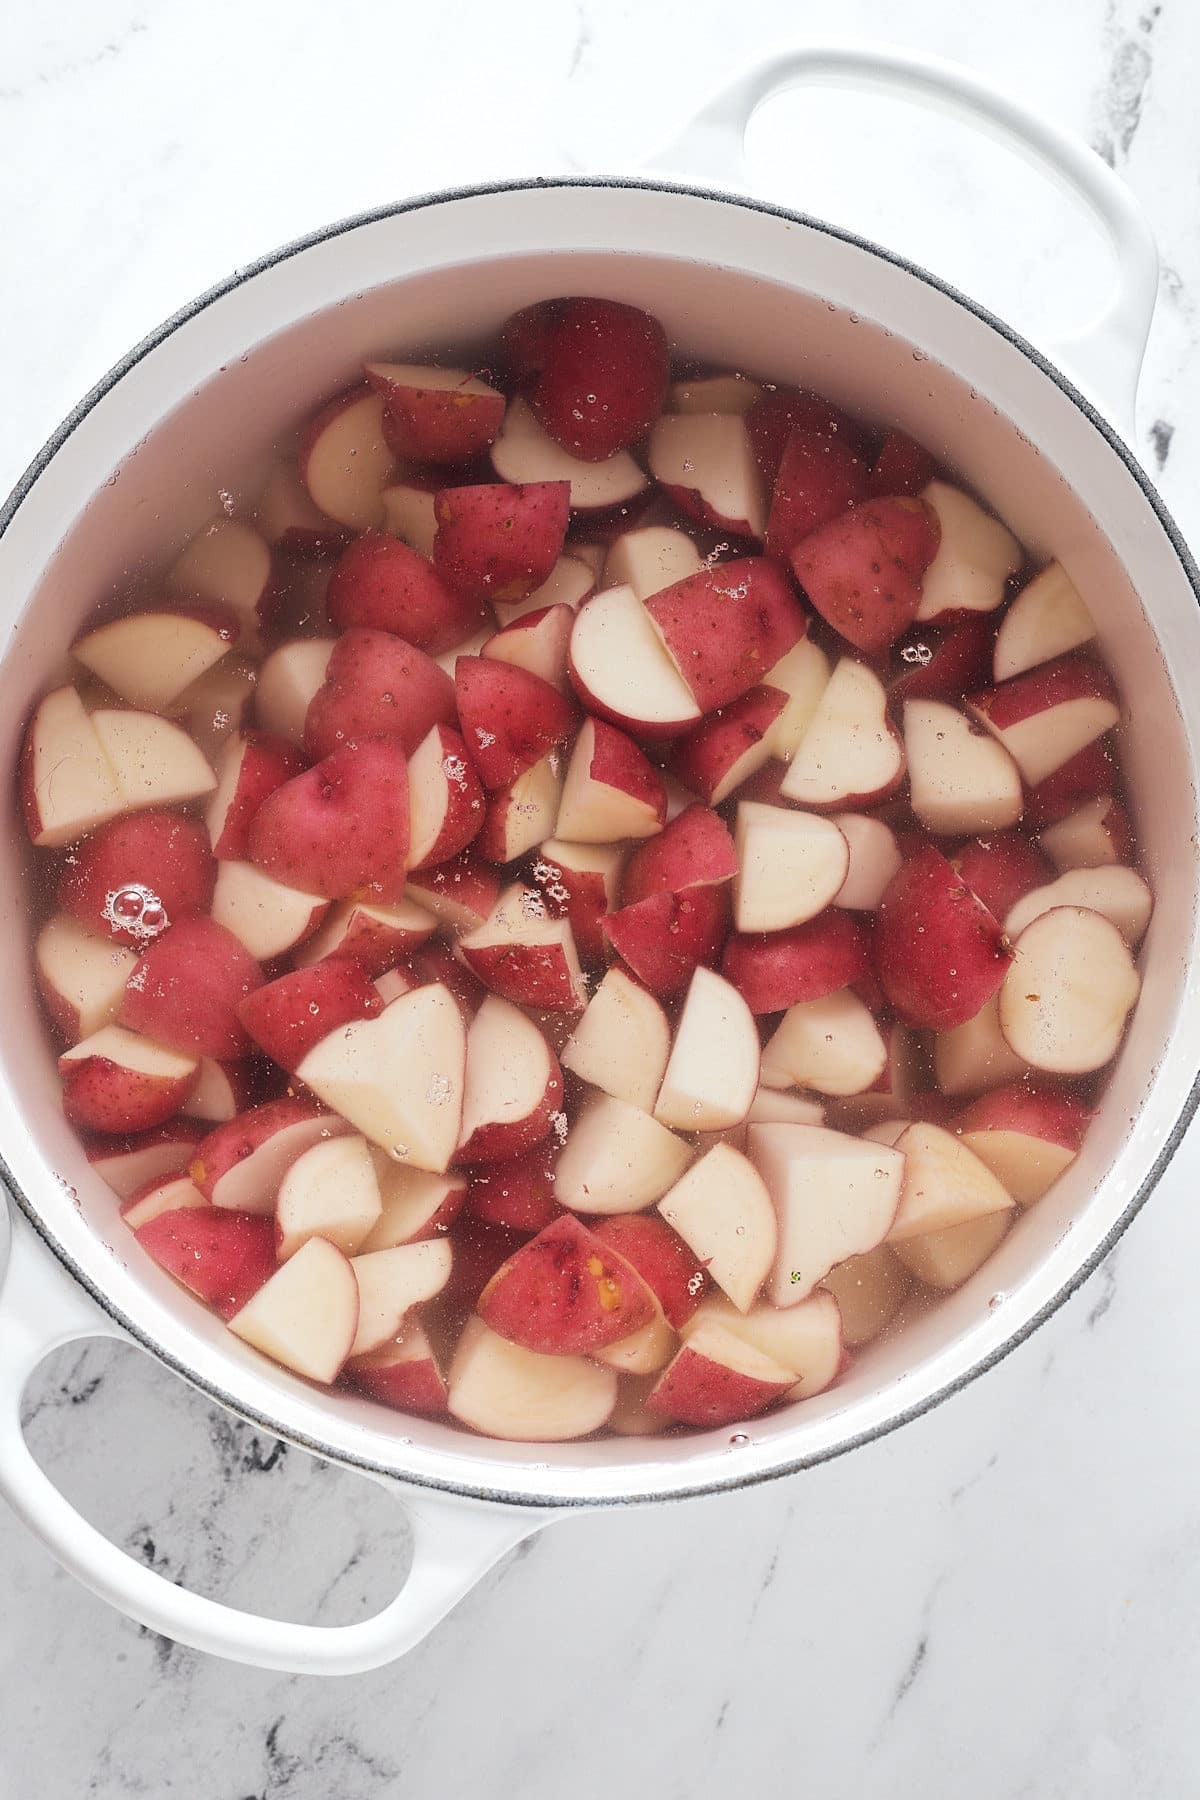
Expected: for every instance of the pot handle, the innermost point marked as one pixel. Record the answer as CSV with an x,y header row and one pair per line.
x,y
455,1543
1104,357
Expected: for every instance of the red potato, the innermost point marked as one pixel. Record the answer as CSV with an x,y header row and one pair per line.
x,y
729,745
802,675
569,584
381,584
791,865
518,1195
666,937
436,415
391,1283
832,1045
394,982
248,769
1001,869
1026,1134
172,1193
612,790
116,1081
863,570
695,850
306,1316
151,658
716,1379
901,467
945,1184
459,893
513,1085
518,817
874,859
376,685
776,970
943,1260
524,955
155,763
341,827
239,1166
662,1259
622,672
228,564
222,1091
1046,716
725,628
581,883
1088,775
701,1092
67,784
566,1293
1117,894
705,463
939,953
415,1205
622,1043
345,460
509,718
723,1212
976,1055
128,1164
288,683
617,1159
408,512
289,1016
217,707
1069,991
478,1253
650,557
538,642
506,1391
524,453
499,541
377,937
782,410
330,1191
851,755
1096,834
594,371
894,1093
134,876
288,520
734,393
959,778
819,477
266,916
187,987
942,663
398,1078
834,1197
221,1257
1048,618
976,556
445,799
808,1337
405,1374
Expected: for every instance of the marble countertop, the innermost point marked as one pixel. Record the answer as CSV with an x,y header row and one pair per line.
x,y
1000,1600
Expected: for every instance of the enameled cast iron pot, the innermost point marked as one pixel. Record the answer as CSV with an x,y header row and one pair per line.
x,y
246,363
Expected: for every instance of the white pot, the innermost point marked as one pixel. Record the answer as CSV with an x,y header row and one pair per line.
x,y
132,472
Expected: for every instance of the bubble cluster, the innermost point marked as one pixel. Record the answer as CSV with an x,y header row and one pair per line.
x,y
137,910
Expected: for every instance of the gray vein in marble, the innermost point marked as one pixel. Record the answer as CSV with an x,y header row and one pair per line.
x,y
964,1487
1117,109
1108,1277
78,65
1161,433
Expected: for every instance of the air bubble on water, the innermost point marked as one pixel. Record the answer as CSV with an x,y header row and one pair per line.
x,y
455,770
228,503
739,1231
136,909
918,356
996,1300
532,905
687,466
485,739
695,1282
558,1124
920,654
398,1152
739,1440
591,399
439,1090
313,1008
72,1193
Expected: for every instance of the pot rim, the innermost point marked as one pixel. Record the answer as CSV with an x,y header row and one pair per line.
x,y
1021,1333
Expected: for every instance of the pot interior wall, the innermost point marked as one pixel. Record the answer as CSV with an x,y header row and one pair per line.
x,y
161,480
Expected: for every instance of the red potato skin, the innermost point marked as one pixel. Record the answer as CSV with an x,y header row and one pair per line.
x,y
381,584
726,626
961,659
438,425
1040,1110
565,1293
694,850
409,1386
1001,869
290,1015
819,477
267,763
500,1142
773,970
595,372
464,810
493,841
902,467
374,946
99,1095
586,906
463,879
1037,690
377,686
437,962
165,853
939,953
1086,775
530,975
183,1133
664,938
341,828
510,719
863,571
519,1195
618,762
694,1390
229,1144
661,1258
187,988
500,540
773,418
1120,832
221,1257
703,758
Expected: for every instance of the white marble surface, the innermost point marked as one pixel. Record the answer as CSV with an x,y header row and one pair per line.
x,y
1001,1600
